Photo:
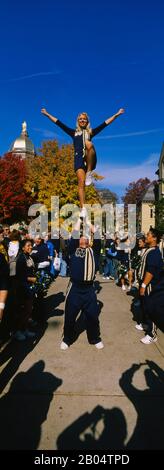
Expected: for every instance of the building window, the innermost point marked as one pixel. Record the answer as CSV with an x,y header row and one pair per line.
x,y
151,213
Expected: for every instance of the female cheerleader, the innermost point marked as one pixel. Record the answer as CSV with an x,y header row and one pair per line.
x,y
85,154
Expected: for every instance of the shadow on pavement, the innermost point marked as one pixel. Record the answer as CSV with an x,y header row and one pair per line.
x,y
14,354
52,302
24,408
100,429
148,403
107,428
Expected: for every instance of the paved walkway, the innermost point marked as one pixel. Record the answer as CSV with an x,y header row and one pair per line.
x,y
84,398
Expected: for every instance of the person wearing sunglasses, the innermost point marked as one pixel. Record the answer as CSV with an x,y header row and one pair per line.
x,y
85,154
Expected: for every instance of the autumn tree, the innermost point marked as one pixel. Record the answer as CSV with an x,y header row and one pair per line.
x,y
52,174
37,179
134,190
14,201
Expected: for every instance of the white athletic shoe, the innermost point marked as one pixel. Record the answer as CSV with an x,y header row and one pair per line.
x,y
63,346
139,327
142,327
88,179
99,345
148,339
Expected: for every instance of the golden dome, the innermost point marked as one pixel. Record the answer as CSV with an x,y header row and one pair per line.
x,y
23,145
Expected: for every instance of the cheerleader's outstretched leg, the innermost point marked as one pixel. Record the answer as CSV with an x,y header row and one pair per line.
x,y
90,158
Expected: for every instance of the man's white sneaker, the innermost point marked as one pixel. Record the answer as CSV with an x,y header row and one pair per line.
x,y
142,327
148,340
88,179
99,345
64,346
139,327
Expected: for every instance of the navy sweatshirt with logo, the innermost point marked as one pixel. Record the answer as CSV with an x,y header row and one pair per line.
x,y
78,136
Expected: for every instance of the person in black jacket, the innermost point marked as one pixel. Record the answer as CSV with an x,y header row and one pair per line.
x,y
25,277
85,155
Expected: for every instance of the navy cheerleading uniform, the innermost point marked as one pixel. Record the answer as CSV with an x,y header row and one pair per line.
x,y
79,138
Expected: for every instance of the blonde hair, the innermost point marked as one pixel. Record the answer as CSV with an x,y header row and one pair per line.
x,y
88,127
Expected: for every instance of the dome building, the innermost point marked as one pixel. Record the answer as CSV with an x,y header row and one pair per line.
x,y
23,145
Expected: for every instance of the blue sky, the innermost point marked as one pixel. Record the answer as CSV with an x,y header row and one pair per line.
x,y
73,56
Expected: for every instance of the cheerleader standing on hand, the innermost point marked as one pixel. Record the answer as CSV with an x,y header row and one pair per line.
x,y
85,154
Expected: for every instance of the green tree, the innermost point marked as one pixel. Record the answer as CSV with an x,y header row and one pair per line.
x,y
159,214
